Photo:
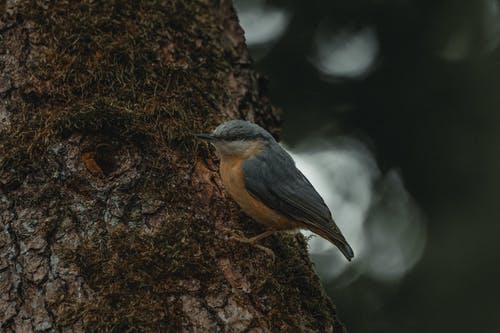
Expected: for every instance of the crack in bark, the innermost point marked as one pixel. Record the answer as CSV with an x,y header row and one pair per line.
x,y
16,282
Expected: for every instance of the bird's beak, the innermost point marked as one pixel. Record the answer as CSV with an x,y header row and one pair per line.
x,y
205,137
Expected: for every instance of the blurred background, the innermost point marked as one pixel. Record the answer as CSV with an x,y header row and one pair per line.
x,y
391,109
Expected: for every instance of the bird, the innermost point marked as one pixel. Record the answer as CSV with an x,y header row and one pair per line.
x,y
264,181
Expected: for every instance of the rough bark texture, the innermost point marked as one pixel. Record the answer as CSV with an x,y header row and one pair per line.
x,y
112,216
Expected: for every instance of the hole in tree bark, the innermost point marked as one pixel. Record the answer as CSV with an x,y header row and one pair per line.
x,y
100,159
105,158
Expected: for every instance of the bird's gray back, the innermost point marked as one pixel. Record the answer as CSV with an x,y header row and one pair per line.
x,y
273,178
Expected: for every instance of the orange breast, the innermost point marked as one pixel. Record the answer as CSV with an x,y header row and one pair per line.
x,y
232,178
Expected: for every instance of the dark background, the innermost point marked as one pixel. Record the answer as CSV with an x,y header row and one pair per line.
x,y
427,105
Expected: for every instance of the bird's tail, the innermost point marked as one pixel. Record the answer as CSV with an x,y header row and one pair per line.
x,y
335,237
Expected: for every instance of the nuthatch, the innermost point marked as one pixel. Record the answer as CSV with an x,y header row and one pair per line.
x,y
263,179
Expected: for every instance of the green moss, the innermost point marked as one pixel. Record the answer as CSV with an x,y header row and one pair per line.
x,y
133,272
149,72
100,116
292,281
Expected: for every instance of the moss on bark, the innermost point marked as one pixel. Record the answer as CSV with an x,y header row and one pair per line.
x,y
114,217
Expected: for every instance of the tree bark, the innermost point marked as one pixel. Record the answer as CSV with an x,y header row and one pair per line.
x,y
112,214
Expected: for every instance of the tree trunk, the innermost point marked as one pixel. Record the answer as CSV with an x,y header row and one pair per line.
x,y
112,214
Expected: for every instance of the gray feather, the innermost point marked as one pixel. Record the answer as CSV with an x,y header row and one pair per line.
x,y
272,177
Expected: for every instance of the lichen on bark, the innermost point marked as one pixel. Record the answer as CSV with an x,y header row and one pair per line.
x,y
113,216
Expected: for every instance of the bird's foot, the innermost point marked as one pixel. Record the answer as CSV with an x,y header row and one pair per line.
x,y
252,242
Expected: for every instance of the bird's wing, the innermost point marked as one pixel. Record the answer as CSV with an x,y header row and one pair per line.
x,y
272,177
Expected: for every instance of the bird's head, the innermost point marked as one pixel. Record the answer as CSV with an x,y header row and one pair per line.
x,y
237,138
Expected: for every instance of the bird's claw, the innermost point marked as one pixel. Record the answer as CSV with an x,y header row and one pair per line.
x,y
267,251
251,242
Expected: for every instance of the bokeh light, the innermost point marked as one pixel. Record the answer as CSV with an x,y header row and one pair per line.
x,y
376,214
263,24
401,98
345,53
